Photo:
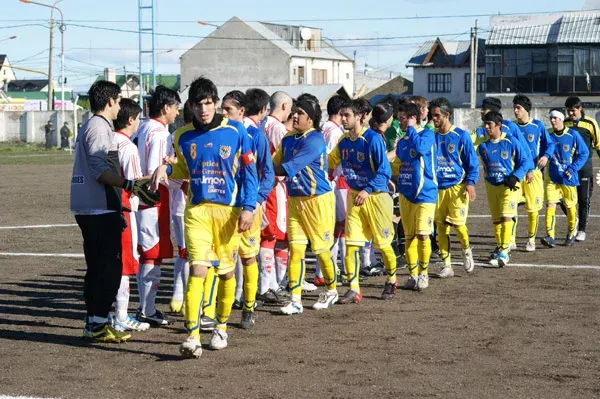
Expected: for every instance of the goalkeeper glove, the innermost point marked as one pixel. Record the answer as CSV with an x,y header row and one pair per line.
x,y
511,182
140,189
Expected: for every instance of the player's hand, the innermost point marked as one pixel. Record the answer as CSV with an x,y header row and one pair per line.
x,y
542,162
170,160
470,192
392,187
141,189
529,177
159,176
361,198
245,221
511,182
567,174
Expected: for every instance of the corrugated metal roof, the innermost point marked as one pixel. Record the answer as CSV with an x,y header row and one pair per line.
x,y
563,28
458,52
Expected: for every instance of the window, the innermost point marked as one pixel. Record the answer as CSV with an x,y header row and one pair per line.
x,y
300,75
509,62
319,76
480,83
493,62
440,83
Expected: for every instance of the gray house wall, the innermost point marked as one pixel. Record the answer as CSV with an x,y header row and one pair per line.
x,y
240,62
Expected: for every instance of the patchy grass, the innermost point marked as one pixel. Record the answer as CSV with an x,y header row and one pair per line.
x,y
19,153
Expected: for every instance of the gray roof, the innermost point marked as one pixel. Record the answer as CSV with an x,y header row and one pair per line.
x,y
458,53
2,58
560,28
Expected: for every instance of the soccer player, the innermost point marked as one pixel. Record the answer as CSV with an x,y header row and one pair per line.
x,y
415,165
570,155
587,127
154,144
209,156
273,245
505,165
541,148
457,175
126,124
302,159
362,155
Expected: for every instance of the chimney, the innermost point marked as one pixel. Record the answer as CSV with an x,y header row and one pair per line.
x,y
110,74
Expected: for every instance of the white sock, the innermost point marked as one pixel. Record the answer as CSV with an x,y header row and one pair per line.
x,y
281,264
150,276
365,255
138,281
239,279
266,266
122,299
318,272
179,278
343,255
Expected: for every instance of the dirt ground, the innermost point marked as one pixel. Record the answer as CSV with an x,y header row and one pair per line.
x,y
517,332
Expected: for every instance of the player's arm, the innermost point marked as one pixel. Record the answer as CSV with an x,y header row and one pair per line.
x,y
595,135
522,162
97,143
264,161
333,159
470,164
249,183
580,156
173,170
157,151
546,145
308,151
380,164
423,142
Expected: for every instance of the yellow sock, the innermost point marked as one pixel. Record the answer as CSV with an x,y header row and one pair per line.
x,y
250,273
328,269
193,299
506,235
389,261
225,301
571,220
443,236
412,256
550,221
532,224
462,233
498,234
351,262
296,269
211,287
424,250
513,232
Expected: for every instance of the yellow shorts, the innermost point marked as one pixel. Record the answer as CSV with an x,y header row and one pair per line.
x,y
416,218
554,193
312,218
250,240
370,221
452,206
534,192
501,201
211,235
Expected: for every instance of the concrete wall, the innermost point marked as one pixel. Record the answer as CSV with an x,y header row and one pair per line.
x,y
457,96
28,126
341,72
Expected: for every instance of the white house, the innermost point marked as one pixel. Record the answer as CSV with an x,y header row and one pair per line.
x,y
442,69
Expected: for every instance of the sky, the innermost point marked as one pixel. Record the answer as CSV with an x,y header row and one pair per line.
x,y
380,33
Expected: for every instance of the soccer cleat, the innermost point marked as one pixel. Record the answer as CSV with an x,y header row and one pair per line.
x,y
191,348
549,241
446,272
156,320
580,236
218,339
569,241
247,320
503,259
411,283
351,296
530,247
494,254
308,287
292,308
512,246
104,333
176,306
237,305
130,324
468,262
319,281
422,282
206,323
326,300
389,291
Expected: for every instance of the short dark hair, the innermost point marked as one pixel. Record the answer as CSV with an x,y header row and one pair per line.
x,y
293,109
335,104
523,101
99,94
201,89
443,104
256,99
410,109
360,106
162,96
129,109
573,102
381,113
492,103
188,112
314,102
237,97
493,116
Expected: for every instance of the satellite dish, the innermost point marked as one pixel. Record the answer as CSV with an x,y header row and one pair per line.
x,y
305,33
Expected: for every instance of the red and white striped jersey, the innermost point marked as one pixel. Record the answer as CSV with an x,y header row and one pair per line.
x,y
129,160
274,129
154,144
332,133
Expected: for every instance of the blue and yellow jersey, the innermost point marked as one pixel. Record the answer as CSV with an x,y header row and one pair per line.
x,y
538,139
570,153
211,161
264,164
511,130
502,158
303,157
456,158
416,165
364,161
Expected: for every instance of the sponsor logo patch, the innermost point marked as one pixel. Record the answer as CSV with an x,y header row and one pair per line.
x,y
327,236
530,138
504,154
413,153
385,233
225,151
360,156
565,147
451,148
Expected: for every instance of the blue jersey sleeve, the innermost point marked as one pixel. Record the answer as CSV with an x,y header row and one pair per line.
x,y
546,143
422,141
265,163
380,164
581,155
522,162
250,176
469,160
517,134
308,151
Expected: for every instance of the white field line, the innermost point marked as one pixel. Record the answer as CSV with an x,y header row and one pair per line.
x,y
41,255
38,226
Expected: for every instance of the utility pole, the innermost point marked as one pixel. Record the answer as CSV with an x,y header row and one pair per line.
x,y
474,48
50,88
